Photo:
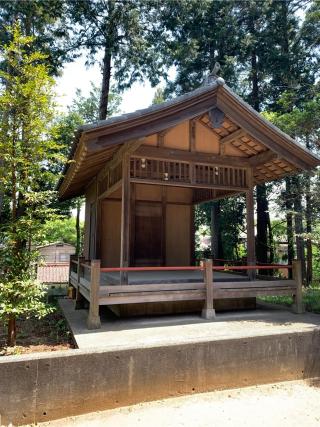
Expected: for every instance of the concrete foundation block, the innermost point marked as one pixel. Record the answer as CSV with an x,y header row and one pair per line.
x,y
208,313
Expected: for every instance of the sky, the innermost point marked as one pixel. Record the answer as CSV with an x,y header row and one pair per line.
x,y
77,75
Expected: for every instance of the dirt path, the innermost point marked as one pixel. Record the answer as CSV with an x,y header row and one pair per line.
x,y
293,404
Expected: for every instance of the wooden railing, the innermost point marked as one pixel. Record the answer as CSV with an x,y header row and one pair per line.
x,y
188,173
87,282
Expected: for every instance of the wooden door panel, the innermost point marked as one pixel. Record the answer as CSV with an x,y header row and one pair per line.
x,y
148,234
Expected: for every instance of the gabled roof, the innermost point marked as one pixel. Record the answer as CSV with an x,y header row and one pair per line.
x,y
96,143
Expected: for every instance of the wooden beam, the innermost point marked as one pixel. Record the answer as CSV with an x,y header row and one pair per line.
x,y
129,148
188,185
110,190
260,159
159,153
192,135
209,128
233,136
251,256
125,217
160,138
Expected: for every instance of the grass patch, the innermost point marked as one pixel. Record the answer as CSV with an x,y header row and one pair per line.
x,y
311,299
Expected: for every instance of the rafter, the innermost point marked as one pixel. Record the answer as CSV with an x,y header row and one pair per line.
x,y
233,136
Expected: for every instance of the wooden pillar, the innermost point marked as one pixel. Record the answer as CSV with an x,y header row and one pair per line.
x,y
192,235
93,321
71,288
298,306
164,224
208,312
251,255
125,218
79,304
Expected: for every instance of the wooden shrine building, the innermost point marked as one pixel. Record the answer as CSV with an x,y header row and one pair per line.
x,y
142,174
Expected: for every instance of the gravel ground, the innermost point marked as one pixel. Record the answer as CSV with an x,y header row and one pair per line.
x,y
294,404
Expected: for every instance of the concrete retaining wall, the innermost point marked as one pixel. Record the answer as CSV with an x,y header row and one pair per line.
x,y
47,386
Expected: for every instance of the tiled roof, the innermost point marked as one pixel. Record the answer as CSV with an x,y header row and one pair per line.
x,y
53,273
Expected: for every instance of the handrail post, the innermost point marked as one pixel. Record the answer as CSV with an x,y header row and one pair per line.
x,y
93,321
208,312
298,306
71,289
79,298
72,257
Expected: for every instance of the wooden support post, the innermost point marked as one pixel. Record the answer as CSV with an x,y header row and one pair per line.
x,y
192,235
251,256
93,321
71,288
208,312
79,303
125,218
298,306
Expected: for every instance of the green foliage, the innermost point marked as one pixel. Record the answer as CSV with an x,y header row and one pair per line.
x,y
122,29
22,298
27,152
87,108
311,299
231,224
46,22
193,35
60,230
158,97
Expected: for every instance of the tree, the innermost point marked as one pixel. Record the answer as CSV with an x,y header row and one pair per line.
x,y
194,35
231,219
87,108
301,195
45,21
158,97
60,230
120,31
26,105
294,69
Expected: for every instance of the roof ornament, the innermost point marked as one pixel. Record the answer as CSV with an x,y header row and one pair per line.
x,y
213,76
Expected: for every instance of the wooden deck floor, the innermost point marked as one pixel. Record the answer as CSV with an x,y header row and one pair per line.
x,y
141,277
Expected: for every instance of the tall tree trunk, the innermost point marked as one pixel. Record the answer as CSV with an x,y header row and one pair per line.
x,y
12,331
262,224
78,231
216,241
105,88
308,223
110,38
309,231
263,218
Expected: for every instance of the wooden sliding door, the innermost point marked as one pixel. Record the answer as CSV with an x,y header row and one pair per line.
x,y
148,234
